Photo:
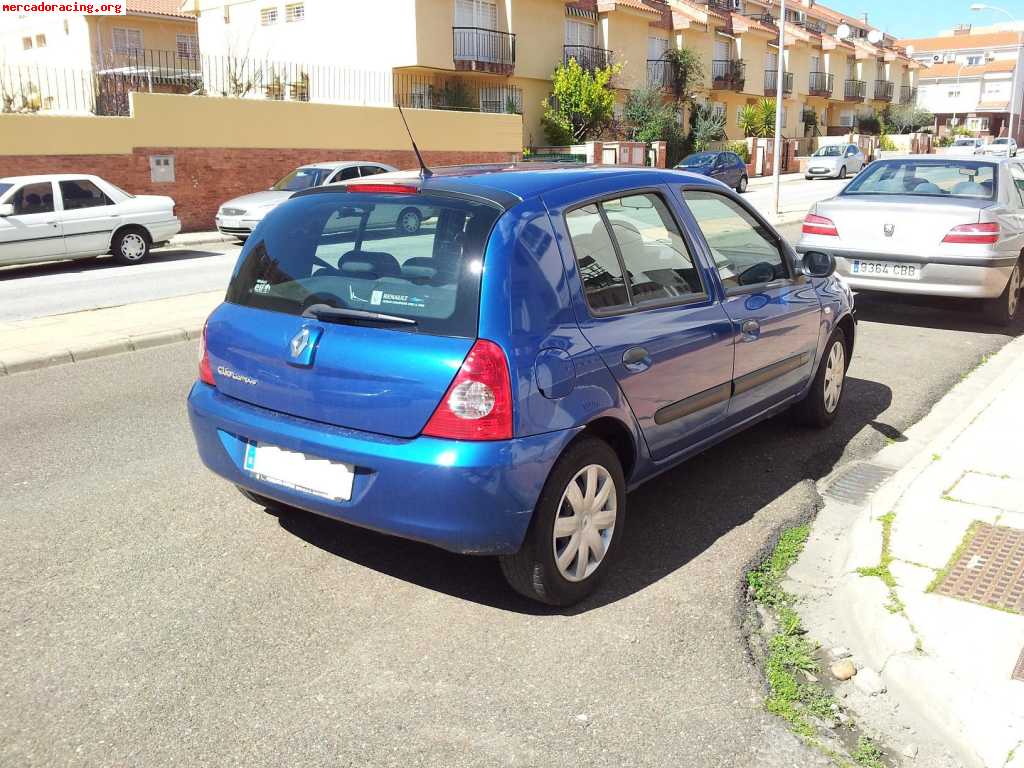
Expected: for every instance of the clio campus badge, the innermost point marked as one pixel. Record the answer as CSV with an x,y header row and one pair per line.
x,y
303,346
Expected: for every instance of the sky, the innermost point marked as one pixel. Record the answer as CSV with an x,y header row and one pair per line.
x,y
923,18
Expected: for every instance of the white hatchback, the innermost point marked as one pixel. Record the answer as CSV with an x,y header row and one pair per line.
x,y
75,216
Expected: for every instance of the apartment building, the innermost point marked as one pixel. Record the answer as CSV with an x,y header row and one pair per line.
x,y
498,56
968,79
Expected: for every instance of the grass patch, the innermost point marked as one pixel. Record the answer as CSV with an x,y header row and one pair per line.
x,y
867,754
965,542
882,570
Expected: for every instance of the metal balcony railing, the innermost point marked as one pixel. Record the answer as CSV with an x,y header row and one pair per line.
x,y
728,74
722,6
660,74
484,50
771,81
884,90
855,90
587,56
821,84
908,94
765,18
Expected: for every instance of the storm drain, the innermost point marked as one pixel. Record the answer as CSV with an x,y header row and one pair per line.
x,y
855,483
990,569
1018,671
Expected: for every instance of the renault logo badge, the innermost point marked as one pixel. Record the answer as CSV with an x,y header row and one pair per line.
x,y
888,229
300,342
302,347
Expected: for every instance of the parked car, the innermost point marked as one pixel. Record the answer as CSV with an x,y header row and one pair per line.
x,y
1002,147
240,215
77,216
497,385
835,161
927,224
966,145
726,167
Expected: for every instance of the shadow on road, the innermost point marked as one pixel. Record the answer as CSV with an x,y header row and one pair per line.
x,y
930,312
82,266
672,519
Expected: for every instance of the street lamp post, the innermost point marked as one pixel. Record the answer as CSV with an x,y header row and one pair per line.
x,y
777,149
1016,66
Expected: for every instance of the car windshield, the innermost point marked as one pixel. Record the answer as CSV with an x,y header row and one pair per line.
x,y
833,150
1001,141
413,256
929,178
698,160
4,186
302,178
964,143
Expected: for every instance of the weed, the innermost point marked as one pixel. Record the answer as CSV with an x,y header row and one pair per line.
x,y
943,572
882,570
867,754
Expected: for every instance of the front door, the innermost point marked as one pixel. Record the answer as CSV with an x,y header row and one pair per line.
x,y
775,313
32,232
648,309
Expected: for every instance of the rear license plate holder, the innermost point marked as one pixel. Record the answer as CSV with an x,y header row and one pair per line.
x,y
301,472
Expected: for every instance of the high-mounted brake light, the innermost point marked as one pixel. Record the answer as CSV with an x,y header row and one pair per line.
x,y
986,233
387,189
205,371
819,225
478,404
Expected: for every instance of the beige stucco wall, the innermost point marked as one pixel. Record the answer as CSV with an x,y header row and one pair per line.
x,y
753,49
626,35
539,26
162,120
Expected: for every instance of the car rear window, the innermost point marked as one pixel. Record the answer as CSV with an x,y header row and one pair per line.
x,y
414,256
967,179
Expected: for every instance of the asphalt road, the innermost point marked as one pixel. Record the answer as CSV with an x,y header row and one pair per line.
x,y
152,616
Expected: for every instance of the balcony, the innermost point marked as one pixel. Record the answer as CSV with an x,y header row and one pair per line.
x,y
771,82
587,56
660,74
821,84
855,90
484,50
812,26
765,18
728,75
884,90
720,6
908,94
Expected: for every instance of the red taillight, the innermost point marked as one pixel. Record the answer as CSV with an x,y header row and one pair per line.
x,y
986,234
478,404
387,189
205,371
819,225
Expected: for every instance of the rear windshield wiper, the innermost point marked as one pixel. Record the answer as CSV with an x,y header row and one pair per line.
x,y
331,314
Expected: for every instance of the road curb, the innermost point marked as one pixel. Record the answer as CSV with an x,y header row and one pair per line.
x,y
105,348
187,240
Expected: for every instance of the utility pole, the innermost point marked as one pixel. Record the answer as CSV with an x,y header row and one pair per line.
x,y
779,91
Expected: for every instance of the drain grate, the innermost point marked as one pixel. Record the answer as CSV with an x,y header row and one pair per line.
x,y
855,483
1018,671
990,570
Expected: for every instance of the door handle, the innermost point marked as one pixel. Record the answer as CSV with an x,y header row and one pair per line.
x,y
636,358
53,223
750,329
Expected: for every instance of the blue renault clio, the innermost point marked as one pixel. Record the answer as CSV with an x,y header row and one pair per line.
x,y
496,381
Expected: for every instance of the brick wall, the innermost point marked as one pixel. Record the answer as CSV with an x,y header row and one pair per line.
x,y
206,177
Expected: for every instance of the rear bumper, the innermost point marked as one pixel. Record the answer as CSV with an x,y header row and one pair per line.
x,y
162,231
461,496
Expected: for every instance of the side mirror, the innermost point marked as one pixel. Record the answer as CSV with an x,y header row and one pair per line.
x,y
6,209
818,264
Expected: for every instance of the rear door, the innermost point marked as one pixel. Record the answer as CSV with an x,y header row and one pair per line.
x,y
646,306
33,232
89,217
775,314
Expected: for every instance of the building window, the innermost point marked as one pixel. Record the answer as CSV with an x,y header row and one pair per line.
x,y
954,93
126,40
846,118
718,108
295,12
977,123
188,46
40,41
973,61
26,43
268,16
579,33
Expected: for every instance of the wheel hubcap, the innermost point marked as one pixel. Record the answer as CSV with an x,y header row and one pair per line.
x,y
835,372
585,522
133,246
409,222
1014,291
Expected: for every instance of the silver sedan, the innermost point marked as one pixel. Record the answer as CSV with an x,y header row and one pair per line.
x,y
928,224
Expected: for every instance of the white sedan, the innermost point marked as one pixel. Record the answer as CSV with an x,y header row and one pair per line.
x,y
75,216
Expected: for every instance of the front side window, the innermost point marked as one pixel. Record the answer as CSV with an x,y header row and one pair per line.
x,y
744,251
33,198
931,178
82,193
630,252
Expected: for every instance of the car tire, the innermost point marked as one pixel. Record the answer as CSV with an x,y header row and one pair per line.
x,y
741,185
820,406
1005,308
409,221
842,172
536,570
130,246
809,178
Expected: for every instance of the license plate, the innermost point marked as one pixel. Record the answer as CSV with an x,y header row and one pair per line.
x,y
230,222
886,269
299,471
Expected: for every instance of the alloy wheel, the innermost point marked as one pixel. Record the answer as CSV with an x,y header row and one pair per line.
x,y
133,246
1013,298
585,522
835,373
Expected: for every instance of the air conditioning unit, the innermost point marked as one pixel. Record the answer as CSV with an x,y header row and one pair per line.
x,y
937,58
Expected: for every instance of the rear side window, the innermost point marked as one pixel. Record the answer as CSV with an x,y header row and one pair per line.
x,y
630,253
346,250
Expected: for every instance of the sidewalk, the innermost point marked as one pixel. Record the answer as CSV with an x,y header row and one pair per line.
x,y
39,343
924,579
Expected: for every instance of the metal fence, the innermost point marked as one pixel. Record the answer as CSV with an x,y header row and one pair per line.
x,y
104,89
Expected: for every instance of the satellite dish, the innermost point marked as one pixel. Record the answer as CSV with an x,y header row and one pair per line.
x,y
843,31
874,36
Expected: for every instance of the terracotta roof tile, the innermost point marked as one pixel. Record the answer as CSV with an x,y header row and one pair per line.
x,y
161,7
957,42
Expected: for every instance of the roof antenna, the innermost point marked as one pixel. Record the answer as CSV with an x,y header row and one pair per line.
x,y
425,173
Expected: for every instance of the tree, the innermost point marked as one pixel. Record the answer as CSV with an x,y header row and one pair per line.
x,y
687,73
706,125
907,118
650,118
581,104
758,119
